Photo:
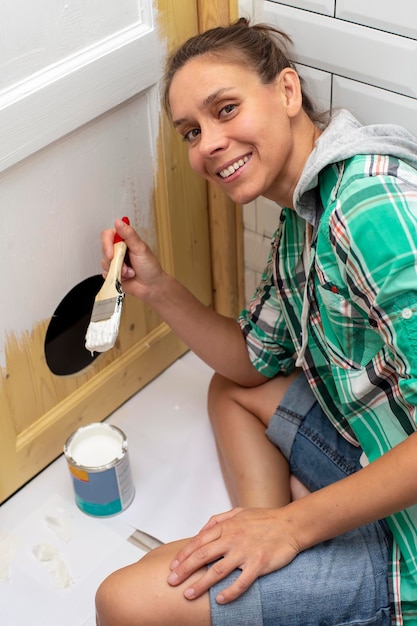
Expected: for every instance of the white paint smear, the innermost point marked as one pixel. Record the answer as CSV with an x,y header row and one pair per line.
x,y
64,215
54,564
61,526
9,546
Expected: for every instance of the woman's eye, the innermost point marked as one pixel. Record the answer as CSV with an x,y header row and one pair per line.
x,y
191,134
226,110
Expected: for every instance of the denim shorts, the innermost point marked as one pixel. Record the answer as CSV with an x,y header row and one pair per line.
x,y
340,582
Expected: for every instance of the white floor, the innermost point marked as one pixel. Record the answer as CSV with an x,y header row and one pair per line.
x,y
178,486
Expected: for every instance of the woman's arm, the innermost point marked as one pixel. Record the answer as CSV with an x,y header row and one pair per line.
x,y
259,541
216,339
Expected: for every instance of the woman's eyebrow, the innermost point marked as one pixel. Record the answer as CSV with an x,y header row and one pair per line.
x,y
213,96
205,103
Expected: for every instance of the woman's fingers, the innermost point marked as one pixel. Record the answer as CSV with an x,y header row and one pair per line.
x,y
254,541
223,563
141,269
200,550
203,537
210,546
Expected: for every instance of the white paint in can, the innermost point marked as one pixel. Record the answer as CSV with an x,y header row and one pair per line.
x,y
99,464
106,446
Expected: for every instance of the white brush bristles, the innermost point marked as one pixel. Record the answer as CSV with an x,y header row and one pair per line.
x,y
102,335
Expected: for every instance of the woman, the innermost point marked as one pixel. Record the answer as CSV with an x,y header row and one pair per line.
x,y
313,403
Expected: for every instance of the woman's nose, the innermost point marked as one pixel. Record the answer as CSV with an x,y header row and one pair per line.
x,y
212,140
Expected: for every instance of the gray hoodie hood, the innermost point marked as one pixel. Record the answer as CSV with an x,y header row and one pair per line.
x,y
343,138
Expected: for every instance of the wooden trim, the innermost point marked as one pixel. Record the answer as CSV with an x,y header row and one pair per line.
x,y
225,217
226,237
216,13
177,185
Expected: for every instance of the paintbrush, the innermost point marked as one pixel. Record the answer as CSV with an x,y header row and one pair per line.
x,y
105,317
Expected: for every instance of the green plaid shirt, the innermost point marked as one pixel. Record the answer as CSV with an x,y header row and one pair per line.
x,y
361,354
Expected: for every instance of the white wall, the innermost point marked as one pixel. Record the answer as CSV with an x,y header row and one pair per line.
x,y
353,54
78,126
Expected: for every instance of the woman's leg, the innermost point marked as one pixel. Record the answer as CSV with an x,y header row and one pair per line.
x,y
255,471
139,595
341,582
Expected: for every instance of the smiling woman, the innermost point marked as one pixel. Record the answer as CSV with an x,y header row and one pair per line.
x,y
225,125
223,119
296,400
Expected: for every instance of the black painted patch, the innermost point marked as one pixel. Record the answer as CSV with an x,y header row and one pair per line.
x,y
65,349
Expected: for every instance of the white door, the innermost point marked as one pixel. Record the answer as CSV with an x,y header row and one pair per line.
x,y
83,141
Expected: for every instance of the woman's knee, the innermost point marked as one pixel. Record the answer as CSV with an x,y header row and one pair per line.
x,y
260,401
139,594
219,388
111,605
221,393
127,595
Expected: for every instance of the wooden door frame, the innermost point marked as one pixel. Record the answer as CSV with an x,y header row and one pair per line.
x,y
225,217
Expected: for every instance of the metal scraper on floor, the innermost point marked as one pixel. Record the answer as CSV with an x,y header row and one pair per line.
x,y
144,541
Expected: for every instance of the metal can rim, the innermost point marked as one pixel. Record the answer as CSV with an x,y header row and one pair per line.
x,y
92,426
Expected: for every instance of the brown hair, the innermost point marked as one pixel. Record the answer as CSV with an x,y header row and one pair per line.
x,y
263,47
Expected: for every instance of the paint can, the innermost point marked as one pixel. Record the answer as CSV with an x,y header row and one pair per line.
x,y
99,465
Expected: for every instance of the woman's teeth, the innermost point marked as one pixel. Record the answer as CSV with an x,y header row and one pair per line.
x,y
232,168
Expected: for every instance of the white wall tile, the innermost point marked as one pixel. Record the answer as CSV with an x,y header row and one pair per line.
x,y
318,85
375,106
249,216
349,50
398,17
327,7
256,250
267,217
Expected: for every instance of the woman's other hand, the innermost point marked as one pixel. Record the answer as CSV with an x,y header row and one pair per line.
x,y
256,541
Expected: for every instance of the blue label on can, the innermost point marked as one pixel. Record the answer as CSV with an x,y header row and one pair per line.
x,y
99,494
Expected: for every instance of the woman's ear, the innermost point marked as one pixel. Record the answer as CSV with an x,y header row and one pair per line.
x,y
291,90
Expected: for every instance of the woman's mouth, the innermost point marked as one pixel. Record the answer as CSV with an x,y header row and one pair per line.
x,y
231,169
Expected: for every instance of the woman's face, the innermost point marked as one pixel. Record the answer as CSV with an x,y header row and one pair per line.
x,y
238,130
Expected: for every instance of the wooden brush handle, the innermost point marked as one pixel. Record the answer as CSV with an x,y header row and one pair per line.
x,y
113,278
